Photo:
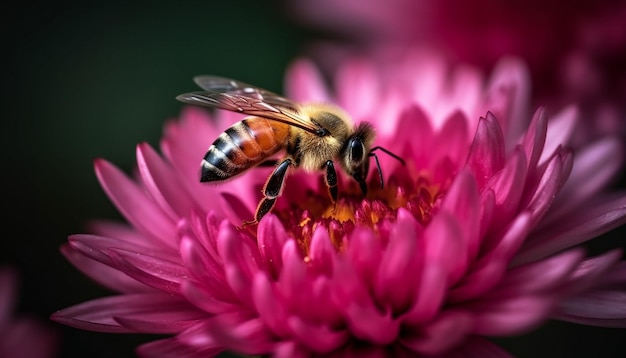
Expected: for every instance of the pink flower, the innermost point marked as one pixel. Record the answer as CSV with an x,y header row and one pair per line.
x,y
477,236
21,336
575,49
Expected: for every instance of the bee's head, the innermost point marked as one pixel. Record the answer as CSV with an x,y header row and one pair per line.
x,y
356,152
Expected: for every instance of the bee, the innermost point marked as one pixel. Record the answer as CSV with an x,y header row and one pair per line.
x,y
312,135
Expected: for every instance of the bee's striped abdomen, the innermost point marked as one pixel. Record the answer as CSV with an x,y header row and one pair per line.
x,y
242,146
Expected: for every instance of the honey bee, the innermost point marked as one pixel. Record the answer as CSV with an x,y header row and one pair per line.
x,y
312,135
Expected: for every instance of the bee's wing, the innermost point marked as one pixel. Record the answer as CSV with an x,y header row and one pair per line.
x,y
236,96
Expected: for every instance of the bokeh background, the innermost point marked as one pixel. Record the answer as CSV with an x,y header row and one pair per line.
x,y
82,80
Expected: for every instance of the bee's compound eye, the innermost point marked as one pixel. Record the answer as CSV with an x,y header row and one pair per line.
x,y
356,150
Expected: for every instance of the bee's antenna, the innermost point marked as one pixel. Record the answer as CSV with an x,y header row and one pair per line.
x,y
394,156
380,172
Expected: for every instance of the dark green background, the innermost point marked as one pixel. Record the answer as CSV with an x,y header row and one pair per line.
x,y
82,80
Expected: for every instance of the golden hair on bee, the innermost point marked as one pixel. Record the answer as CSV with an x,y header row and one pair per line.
x,y
312,135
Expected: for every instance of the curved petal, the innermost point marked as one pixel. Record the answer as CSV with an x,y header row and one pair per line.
x,y
135,205
160,181
105,275
100,314
441,334
173,348
486,155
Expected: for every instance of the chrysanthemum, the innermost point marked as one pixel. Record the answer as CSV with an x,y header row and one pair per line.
x,y
21,335
476,237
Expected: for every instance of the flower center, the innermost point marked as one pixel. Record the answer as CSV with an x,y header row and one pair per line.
x,y
304,214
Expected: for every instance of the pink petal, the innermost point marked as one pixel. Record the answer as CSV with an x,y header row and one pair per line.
x,y
508,185
103,274
597,304
542,276
580,226
364,253
270,307
161,182
368,323
135,205
597,271
209,301
560,129
443,244
121,231
271,237
96,247
292,281
508,95
305,83
172,348
234,208
414,120
161,274
603,304
546,189
429,296
201,265
397,268
511,316
590,174
248,337
100,314
490,268
534,139
487,210
321,252
357,90
441,334
241,261
452,139
486,155
462,201
163,322
290,349
508,244
320,339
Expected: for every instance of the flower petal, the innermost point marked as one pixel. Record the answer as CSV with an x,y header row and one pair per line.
x,y
304,82
241,261
590,174
357,89
441,334
270,307
173,348
320,339
486,156
271,238
100,314
398,264
161,274
161,182
103,274
560,129
591,221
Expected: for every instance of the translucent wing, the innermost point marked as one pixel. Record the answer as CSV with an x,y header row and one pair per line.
x,y
236,96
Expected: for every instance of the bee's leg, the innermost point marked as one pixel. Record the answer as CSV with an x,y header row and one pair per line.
x,y
331,182
269,163
272,189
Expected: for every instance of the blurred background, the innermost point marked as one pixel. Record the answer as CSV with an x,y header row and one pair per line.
x,y
82,80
